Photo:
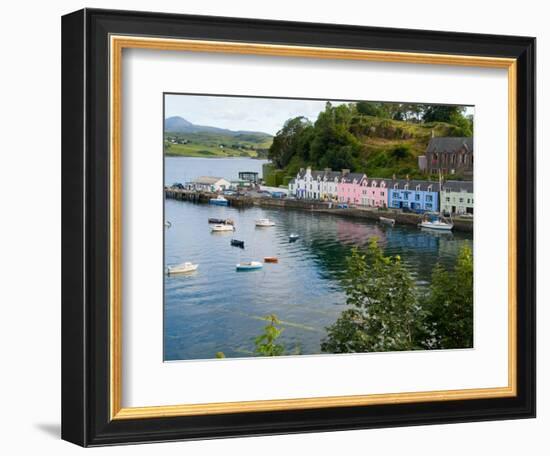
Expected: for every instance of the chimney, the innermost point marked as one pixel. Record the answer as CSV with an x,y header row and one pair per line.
x,y
407,177
433,133
345,171
393,177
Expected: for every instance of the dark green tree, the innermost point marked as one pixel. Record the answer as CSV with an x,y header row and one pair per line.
x,y
333,145
383,313
287,142
450,306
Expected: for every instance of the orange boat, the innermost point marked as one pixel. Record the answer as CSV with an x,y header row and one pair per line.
x,y
271,259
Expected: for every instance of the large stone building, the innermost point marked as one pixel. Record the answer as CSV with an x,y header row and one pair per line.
x,y
450,156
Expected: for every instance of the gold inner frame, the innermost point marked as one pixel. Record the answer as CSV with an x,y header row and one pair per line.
x,y
117,44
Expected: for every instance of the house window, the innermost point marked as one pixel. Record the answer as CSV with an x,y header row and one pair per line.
x,y
381,193
461,200
448,199
417,197
429,198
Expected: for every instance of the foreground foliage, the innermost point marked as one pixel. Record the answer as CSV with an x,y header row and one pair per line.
x,y
266,342
387,313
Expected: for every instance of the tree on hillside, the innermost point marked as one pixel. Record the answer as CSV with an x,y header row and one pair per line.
x,y
453,115
384,313
333,145
287,142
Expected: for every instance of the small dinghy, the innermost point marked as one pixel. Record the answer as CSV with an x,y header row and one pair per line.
x,y
293,237
271,259
222,228
264,223
237,243
387,221
249,266
183,268
167,224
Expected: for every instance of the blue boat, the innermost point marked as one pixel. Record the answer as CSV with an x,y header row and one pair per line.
x,y
293,237
249,266
219,201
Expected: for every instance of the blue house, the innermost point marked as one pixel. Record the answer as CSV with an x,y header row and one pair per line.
x,y
415,195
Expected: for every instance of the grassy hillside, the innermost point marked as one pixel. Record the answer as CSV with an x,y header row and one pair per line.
x,y
392,147
387,147
216,145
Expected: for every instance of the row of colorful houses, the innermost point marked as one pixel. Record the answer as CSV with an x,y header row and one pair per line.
x,y
455,197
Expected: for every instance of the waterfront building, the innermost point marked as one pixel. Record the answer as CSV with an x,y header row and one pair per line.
x,y
210,184
350,187
414,194
457,197
449,155
329,185
319,185
250,176
374,192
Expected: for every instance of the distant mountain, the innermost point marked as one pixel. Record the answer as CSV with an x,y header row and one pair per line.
x,y
177,124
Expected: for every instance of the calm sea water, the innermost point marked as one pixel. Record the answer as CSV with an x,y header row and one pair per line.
x,y
184,169
219,309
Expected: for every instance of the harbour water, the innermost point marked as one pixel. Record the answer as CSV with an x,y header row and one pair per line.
x,y
219,309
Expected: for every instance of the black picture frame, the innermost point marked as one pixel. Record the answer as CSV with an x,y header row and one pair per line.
x,y
85,227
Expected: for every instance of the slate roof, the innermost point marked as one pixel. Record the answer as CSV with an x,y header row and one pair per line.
x,y
448,145
459,186
330,175
349,177
423,185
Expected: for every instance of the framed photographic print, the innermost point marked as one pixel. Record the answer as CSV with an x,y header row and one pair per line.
x,y
275,227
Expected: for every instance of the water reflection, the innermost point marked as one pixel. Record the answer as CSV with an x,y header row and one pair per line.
x,y
219,309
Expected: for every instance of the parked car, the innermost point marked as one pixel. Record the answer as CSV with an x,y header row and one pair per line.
x,y
343,206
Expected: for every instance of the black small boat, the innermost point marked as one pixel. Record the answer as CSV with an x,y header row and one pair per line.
x,y
237,243
218,221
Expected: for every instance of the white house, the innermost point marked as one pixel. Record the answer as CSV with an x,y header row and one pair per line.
x,y
319,185
210,184
457,197
329,185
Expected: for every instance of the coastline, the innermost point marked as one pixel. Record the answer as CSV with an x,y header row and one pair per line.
x,y
315,206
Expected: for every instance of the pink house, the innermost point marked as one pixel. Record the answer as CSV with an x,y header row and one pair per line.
x,y
349,188
374,193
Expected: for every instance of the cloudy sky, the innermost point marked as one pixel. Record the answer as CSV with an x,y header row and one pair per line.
x,y
237,113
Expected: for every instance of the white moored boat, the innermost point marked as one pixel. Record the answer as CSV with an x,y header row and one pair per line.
x,y
182,268
249,266
438,224
387,221
222,228
264,222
